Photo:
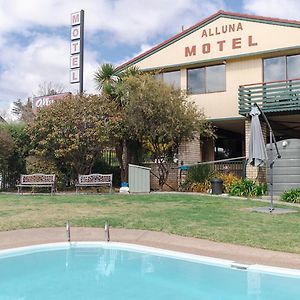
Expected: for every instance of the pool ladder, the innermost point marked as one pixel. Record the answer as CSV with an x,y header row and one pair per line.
x,y
106,232
68,231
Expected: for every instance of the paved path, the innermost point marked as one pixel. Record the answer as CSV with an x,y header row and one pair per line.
x,y
241,254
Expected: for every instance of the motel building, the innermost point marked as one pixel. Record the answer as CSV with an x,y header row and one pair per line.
x,y
226,63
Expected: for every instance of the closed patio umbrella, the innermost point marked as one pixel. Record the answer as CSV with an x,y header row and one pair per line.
x,y
257,148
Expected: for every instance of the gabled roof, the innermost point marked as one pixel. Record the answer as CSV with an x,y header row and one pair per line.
x,y
220,13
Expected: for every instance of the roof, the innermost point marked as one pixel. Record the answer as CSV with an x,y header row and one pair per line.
x,y
220,13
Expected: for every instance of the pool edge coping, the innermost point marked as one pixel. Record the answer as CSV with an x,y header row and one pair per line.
x,y
279,271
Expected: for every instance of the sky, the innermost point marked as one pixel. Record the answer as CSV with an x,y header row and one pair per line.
x,y
35,35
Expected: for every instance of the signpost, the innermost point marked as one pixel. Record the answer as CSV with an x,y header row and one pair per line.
x,y
76,49
42,101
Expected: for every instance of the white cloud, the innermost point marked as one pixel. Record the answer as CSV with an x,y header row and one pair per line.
x,y
34,36
42,60
126,20
285,9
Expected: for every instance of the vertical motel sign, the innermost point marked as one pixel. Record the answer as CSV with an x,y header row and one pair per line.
x,y
76,50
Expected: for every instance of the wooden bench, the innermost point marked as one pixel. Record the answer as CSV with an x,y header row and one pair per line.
x,y
94,180
37,180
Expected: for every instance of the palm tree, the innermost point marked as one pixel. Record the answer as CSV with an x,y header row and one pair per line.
x,y
108,80
131,71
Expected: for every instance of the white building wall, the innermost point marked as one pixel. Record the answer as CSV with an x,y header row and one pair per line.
x,y
225,104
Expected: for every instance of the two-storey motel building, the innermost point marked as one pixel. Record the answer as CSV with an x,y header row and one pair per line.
x,y
227,62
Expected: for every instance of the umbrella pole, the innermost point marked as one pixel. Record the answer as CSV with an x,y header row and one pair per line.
x,y
272,160
271,170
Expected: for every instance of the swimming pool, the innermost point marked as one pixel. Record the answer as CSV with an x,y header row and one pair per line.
x,y
122,271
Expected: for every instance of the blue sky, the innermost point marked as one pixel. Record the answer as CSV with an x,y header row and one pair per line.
x,y
35,35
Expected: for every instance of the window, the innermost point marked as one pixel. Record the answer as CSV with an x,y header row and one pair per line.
x,y
170,78
293,66
215,78
206,79
274,69
196,81
281,68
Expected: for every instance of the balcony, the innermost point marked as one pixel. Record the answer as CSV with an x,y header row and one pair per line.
x,y
272,97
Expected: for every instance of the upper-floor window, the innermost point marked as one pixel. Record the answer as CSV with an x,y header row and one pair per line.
x,y
171,78
206,79
281,68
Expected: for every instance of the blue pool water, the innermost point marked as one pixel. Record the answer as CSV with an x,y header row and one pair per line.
x,y
114,272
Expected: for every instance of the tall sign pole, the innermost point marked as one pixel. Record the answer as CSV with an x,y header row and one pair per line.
x,y
77,49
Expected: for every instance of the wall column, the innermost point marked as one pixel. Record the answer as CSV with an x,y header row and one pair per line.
x,y
189,153
254,173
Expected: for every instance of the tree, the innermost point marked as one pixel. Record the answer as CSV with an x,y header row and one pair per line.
x,y
106,80
161,116
72,132
23,111
49,88
109,83
15,143
3,116
6,150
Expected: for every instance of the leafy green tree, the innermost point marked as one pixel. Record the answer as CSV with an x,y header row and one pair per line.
x,y
72,132
106,80
162,116
109,83
6,151
151,113
16,142
23,111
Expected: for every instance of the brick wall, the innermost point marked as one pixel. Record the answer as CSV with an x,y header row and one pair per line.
x,y
172,178
190,152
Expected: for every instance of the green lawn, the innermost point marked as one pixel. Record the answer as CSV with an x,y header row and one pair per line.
x,y
218,219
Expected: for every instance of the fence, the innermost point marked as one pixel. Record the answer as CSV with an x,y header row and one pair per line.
x,y
109,156
236,166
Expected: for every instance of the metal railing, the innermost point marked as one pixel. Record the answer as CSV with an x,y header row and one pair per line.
x,y
277,96
109,156
235,166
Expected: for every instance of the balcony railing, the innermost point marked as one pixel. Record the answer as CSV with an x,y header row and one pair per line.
x,y
272,97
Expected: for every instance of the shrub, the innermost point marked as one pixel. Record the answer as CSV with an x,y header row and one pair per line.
x,y
247,188
199,173
292,195
228,181
200,187
103,167
198,178
39,164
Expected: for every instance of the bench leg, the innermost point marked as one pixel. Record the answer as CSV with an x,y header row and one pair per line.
x,y
110,189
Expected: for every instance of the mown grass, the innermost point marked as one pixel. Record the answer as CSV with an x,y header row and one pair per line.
x,y
213,218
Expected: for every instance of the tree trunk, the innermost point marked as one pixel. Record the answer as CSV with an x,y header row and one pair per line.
x,y
163,173
122,156
125,161
125,152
